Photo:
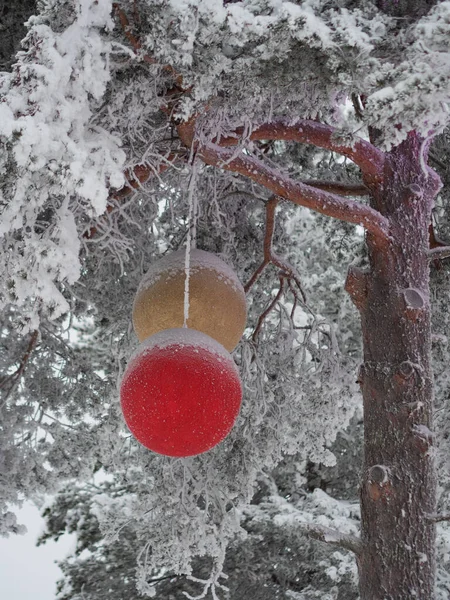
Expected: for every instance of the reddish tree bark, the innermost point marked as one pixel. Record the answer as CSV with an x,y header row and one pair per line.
x,y
398,487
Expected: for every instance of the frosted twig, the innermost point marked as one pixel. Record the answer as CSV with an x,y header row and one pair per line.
x,y
334,537
13,378
438,518
271,306
139,174
135,177
282,185
208,585
269,255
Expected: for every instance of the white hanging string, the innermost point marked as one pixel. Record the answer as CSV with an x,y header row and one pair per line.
x,y
191,237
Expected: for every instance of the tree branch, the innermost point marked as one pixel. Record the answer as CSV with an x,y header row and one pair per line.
x,y
438,518
268,309
364,154
271,205
139,174
137,46
299,193
439,253
334,538
339,188
269,255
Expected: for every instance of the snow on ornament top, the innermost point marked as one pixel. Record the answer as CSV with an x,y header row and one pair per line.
x,y
217,304
182,337
181,393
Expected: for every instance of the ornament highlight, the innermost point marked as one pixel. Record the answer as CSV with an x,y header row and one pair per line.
x,y
181,393
217,304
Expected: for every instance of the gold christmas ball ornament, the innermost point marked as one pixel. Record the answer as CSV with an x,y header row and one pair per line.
x,y
216,298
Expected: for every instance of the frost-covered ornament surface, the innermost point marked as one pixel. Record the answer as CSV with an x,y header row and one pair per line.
x,y
181,393
216,298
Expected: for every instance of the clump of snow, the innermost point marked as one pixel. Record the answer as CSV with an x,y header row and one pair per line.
x,y
53,159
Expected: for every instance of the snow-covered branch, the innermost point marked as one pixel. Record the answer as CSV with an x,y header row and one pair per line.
x,y
135,177
439,253
269,255
339,188
368,158
137,46
14,377
438,518
280,184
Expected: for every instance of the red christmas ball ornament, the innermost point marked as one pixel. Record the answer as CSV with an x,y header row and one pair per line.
x,y
181,393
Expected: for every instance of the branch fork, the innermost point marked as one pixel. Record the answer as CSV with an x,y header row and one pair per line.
x,y
287,271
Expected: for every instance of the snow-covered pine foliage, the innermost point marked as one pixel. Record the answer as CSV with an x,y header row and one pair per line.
x,y
80,103
87,98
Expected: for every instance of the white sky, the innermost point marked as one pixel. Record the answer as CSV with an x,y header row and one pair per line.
x,y
27,572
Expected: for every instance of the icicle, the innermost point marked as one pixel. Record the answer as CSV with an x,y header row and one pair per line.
x,y
191,238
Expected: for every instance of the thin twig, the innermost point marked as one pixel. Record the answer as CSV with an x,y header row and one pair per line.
x,y
271,306
437,161
269,255
15,377
135,177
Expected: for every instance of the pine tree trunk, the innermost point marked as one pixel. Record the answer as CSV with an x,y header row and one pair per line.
x,y
398,487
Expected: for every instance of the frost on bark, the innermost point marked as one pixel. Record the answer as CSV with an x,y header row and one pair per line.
x,y
398,487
